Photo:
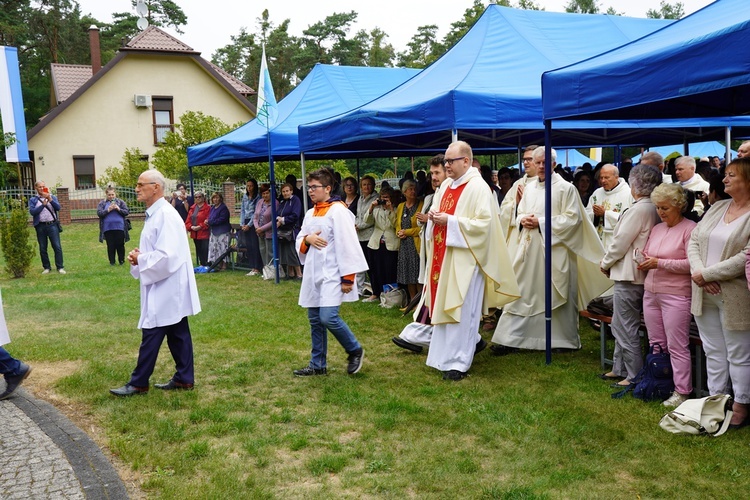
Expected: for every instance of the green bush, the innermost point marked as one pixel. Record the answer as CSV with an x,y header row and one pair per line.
x,y
14,240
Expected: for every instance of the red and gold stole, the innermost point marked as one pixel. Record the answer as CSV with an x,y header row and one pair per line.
x,y
448,206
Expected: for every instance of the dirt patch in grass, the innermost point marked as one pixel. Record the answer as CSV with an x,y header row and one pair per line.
x,y
41,384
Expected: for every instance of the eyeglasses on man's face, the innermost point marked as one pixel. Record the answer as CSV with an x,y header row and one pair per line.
x,y
313,187
529,159
449,161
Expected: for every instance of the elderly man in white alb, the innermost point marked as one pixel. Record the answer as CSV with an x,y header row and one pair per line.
x,y
684,171
608,202
468,266
169,294
576,252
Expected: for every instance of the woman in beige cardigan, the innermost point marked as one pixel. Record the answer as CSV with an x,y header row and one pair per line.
x,y
720,298
407,230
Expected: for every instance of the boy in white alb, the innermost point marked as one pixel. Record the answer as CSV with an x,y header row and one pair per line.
x,y
329,249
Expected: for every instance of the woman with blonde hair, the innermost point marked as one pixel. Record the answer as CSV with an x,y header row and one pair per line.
x,y
666,297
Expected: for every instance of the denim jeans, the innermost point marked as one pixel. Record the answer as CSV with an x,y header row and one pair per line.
x,y
322,318
8,365
51,231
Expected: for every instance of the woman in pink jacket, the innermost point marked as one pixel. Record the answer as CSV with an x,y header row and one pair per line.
x,y
667,289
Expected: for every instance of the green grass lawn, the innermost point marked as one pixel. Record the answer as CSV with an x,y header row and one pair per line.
x,y
514,429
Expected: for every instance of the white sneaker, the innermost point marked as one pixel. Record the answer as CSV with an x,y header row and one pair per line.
x,y
676,399
61,271
46,271
371,298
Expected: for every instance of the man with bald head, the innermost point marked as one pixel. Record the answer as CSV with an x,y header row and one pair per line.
x,y
744,150
656,160
468,267
608,202
684,171
169,294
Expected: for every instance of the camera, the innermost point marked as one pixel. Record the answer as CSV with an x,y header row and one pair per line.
x,y
378,202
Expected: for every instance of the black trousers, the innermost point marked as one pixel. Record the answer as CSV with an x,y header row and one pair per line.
x,y
201,251
115,244
180,345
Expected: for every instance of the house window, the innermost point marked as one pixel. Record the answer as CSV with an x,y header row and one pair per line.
x,y
163,117
83,170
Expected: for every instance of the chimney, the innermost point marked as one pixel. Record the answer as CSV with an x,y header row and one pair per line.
x,y
96,53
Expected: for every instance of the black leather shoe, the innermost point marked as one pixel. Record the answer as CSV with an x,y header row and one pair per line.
x,y
604,376
309,371
355,361
173,385
454,375
481,346
502,350
13,381
405,344
128,390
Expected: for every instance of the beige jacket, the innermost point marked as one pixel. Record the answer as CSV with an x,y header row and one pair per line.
x,y
385,226
729,272
631,232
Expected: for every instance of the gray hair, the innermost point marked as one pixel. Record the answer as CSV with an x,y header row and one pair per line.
x,y
157,177
407,184
674,194
540,151
613,168
652,158
689,161
644,178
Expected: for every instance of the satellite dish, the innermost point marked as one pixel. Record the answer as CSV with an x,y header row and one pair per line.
x,y
142,23
141,9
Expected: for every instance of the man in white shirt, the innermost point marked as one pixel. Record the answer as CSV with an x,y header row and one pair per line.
x,y
608,202
684,171
168,290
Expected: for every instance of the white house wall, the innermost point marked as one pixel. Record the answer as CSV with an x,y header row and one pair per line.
x,y
104,122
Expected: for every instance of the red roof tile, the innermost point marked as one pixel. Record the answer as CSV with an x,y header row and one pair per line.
x,y
238,84
67,78
152,38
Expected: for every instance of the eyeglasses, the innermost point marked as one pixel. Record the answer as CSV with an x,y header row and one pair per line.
x,y
141,184
449,161
314,187
528,159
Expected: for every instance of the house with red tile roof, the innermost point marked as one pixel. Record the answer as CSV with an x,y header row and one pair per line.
x,y
133,101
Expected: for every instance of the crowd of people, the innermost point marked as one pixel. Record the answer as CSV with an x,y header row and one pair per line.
x,y
665,243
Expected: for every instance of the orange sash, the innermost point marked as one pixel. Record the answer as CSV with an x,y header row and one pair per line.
x,y
448,206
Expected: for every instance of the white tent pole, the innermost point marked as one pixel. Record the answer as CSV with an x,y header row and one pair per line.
x,y
454,135
304,181
728,152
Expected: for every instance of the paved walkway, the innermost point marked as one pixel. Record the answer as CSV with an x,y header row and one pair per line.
x,y
44,456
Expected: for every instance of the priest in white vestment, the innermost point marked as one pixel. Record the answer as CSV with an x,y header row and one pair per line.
x,y
684,171
576,252
469,270
608,202
513,197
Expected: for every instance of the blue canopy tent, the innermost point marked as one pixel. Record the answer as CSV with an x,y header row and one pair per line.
x,y
699,149
486,88
694,68
325,91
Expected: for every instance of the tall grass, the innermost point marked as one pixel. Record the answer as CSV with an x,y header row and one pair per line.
x,y
515,429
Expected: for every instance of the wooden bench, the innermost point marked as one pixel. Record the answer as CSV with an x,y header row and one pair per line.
x,y
697,354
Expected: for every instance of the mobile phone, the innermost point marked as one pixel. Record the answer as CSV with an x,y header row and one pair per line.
x,y
638,256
